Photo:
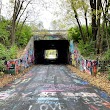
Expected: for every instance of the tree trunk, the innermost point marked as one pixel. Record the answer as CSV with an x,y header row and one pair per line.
x,y
13,27
98,39
94,24
13,33
107,39
80,29
79,25
105,13
102,37
17,14
87,30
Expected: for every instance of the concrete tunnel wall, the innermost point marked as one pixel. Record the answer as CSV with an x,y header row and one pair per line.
x,y
62,46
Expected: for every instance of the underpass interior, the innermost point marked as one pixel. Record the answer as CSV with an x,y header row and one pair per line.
x,y
51,51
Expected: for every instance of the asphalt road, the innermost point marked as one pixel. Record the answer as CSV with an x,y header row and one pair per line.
x,y
52,87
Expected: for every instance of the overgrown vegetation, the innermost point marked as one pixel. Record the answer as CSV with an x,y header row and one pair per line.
x,y
94,36
23,35
107,55
7,54
4,32
88,49
8,51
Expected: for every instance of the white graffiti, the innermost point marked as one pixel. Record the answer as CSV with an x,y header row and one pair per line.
x,y
24,95
4,96
30,107
47,106
48,98
81,94
94,100
25,81
46,94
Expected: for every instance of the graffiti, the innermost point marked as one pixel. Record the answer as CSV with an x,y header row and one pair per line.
x,y
47,106
17,82
27,76
62,87
27,59
4,96
47,102
107,104
81,94
93,107
48,98
103,95
46,94
79,81
53,96
30,107
25,81
24,95
93,100
85,65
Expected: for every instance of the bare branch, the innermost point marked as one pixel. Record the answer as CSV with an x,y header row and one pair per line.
x,y
23,11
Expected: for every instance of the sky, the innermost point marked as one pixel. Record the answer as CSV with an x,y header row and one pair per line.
x,y
43,11
46,15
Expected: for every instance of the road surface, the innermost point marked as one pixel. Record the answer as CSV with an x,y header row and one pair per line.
x,y
52,87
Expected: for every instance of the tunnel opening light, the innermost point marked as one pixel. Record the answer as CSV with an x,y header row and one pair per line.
x,y
51,54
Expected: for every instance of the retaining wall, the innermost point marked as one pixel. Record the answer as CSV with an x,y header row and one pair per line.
x,y
86,65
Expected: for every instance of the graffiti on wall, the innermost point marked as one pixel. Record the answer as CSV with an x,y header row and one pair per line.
x,y
26,60
85,65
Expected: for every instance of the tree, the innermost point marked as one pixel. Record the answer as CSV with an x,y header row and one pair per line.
x,y
40,25
18,11
24,35
75,5
54,25
0,8
4,32
106,20
94,24
85,7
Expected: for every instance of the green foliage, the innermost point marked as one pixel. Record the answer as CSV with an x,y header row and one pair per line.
x,y
74,34
86,49
3,51
109,77
23,35
108,72
13,52
3,54
1,73
85,32
107,55
4,33
6,54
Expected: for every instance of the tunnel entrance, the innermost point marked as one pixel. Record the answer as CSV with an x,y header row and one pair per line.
x,y
51,51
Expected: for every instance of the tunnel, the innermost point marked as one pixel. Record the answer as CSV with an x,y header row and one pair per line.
x,y
51,51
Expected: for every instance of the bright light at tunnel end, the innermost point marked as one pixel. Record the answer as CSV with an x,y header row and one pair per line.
x,y
51,54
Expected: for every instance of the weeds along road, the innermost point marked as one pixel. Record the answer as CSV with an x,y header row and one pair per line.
x,y
52,87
